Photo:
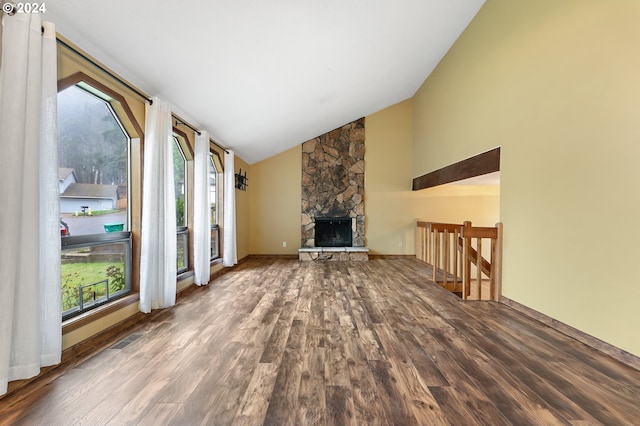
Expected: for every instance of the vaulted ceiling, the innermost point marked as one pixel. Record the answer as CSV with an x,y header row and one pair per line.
x,y
264,76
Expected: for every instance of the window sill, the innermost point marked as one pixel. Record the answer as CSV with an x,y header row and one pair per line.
x,y
88,317
184,275
95,314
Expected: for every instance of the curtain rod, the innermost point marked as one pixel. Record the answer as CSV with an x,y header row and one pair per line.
x,y
180,120
226,150
130,87
104,70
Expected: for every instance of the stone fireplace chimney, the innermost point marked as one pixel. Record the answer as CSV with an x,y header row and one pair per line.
x,y
333,181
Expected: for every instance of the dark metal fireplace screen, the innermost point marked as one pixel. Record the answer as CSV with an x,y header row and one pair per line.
x,y
334,232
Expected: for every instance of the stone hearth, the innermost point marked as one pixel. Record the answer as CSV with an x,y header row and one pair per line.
x,y
333,182
334,253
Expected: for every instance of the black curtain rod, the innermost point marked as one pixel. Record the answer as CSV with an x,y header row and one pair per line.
x,y
219,146
106,71
179,120
130,87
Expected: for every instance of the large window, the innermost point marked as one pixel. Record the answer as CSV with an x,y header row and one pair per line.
x,y
213,197
94,207
180,177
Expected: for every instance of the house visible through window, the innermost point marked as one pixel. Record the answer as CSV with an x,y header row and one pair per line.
x,y
93,183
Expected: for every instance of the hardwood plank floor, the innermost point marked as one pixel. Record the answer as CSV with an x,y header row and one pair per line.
x,y
283,342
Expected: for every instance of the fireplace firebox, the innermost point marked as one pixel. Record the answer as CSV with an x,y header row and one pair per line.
x,y
333,232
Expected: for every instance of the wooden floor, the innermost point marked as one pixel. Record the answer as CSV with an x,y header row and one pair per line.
x,y
283,342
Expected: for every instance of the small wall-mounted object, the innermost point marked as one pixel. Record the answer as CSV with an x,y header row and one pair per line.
x,y
241,180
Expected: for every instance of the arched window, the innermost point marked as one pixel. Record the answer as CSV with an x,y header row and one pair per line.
x,y
214,198
180,179
94,157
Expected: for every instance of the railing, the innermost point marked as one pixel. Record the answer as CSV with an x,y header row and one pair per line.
x,y
438,245
215,242
455,253
182,249
90,295
88,257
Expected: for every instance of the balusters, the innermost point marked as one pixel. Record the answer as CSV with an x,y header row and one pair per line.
x,y
452,249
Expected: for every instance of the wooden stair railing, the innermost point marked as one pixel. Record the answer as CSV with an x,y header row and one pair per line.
x,y
492,269
438,245
452,248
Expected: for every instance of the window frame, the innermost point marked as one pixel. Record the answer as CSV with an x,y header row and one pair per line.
x,y
91,241
181,139
121,110
216,161
96,240
185,215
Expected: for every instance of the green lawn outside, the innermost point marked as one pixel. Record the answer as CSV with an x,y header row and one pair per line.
x,y
98,212
81,273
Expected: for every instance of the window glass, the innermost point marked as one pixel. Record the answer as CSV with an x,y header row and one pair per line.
x,y
180,182
182,251
93,185
93,165
213,197
179,166
92,275
213,193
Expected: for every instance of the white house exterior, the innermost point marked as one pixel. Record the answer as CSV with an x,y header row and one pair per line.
x,y
66,177
77,197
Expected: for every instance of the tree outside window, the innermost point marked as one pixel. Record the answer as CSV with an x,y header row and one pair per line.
x,y
93,184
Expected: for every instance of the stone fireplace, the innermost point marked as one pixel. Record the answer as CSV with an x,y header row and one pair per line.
x,y
333,190
333,232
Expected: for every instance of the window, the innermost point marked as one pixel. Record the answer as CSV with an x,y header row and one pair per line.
x,y
94,199
213,197
180,178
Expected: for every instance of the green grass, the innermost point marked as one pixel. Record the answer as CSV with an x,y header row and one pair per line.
x,y
87,272
77,274
99,212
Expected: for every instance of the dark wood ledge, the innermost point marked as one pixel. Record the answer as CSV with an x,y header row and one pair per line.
x,y
478,165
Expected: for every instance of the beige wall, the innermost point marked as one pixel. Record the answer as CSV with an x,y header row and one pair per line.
x,y
275,193
243,210
387,180
556,85
392,207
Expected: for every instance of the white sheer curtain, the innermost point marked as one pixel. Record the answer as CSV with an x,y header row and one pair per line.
x,y
158,234
30,294
202,212
229,250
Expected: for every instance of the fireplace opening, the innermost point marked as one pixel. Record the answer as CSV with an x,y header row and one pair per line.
x,y
333,232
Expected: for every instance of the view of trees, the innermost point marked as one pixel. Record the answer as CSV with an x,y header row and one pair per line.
x,y
90,139
180,185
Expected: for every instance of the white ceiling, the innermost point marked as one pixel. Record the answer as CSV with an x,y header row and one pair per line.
x,y
264,76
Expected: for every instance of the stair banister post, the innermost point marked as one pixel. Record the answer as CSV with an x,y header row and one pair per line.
x,y
479,268
466,269
419,240
456,235
498,263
